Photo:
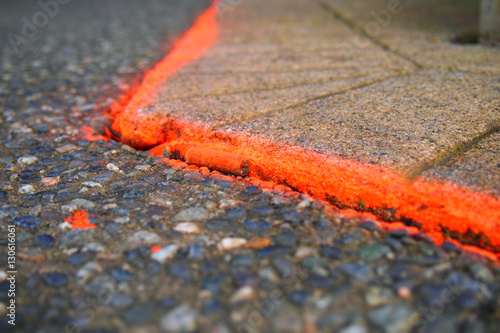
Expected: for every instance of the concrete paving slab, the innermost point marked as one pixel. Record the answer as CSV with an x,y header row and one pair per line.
x,y
299,53
226,108
441,16
422,31
398,123
399,100
478,168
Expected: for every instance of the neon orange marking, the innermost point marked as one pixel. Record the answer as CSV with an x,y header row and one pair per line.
x,y
155,248
438,208
190,47
88,134
214,159
79,220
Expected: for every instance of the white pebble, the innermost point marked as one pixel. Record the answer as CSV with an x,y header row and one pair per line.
x,y
143,167
122,219
109,206
181,319
166,253
92,184
304,204
66,148
93,247
354,328
188,228
228,203
304,251
231,243
27,160
112,167
26,189
64,226
69,208
243,294
3,276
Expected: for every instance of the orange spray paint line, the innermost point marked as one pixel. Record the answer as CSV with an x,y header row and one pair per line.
x,y
217,160
440,209
190,47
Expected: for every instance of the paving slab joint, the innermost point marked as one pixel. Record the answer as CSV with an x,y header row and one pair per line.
x,y
356,28
312,99
458,149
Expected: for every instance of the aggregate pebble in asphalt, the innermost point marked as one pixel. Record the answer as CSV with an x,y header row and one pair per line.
x,y
250,259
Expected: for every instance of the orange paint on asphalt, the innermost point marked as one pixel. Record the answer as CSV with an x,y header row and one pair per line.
x,y
79,220
155,248
440,209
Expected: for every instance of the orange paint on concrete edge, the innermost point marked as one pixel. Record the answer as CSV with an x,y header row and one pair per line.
x,y
434,206
347,184
197,40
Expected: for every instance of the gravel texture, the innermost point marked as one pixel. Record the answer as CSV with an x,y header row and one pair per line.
x,y
233,255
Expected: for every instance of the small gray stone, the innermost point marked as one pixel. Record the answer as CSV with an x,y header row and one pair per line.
x,y
482,273
100,124
191,215
376,296
180,319
35,210
144,237
370,253
76,237
143,167
334,321
392,318
93,247
354,328
8,211
82,204
120,300
287,320
358,272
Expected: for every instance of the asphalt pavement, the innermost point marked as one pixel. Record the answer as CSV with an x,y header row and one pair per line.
x,y
177,248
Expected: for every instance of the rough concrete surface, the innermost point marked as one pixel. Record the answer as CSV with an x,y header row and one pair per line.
x,y
478,168
398,123
308,77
